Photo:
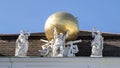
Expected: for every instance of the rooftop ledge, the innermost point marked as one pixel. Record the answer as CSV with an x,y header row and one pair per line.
x,y
77,62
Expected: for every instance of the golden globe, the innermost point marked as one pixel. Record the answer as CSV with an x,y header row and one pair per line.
x,y
63,21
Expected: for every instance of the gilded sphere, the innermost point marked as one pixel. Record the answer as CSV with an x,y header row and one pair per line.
x,y
63,22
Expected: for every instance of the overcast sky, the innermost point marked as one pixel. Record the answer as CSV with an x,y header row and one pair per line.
x,y
17,15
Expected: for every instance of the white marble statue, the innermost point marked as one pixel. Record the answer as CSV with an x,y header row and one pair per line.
x,y
59,44
71,49
22,44
97,44
58,47
46,48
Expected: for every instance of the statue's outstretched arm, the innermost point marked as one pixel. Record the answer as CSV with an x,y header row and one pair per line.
x,y
93,32
54,31
67,34
28,33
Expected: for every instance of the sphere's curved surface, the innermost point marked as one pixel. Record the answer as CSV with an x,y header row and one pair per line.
x,y
63,21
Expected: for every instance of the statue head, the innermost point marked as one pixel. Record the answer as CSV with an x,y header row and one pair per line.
x,y
98,32
61,35
22,32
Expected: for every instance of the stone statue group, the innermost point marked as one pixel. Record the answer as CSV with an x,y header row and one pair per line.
x,y
58,46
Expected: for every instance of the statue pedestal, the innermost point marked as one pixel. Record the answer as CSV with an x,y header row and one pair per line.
x,y
95,56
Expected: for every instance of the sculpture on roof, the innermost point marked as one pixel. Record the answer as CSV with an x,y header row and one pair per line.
x,y
46,48
22,44
71,48
97,44
59,44
61,27
58,47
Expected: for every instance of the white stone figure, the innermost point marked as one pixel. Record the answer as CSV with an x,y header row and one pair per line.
x,y
46,48
59,44
71,49
22,44
58,47
97,44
